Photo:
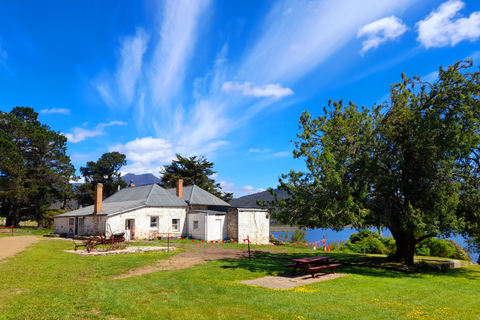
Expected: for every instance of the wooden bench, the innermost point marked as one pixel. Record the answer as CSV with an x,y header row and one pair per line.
x,y
312,264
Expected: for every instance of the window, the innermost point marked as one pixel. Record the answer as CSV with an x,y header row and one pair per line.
x,y
153,222
195,225
175,224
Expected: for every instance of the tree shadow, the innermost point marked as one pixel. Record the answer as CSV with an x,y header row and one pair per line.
x,y
274,264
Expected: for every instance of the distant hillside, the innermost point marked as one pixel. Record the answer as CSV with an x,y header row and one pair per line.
x,y
141,179
250,201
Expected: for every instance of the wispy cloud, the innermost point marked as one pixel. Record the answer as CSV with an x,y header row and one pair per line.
x,y
259,150
282,154
238,191
133,49
55,110
292,41
439,29
248,89
80,134
381,31
178,35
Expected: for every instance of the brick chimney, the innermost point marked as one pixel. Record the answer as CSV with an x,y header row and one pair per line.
x,y
97,205
180,188
131,185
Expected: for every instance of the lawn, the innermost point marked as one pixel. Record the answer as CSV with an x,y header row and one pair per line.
x,y
45,282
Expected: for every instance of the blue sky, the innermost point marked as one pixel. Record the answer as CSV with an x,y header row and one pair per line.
x,y
224,79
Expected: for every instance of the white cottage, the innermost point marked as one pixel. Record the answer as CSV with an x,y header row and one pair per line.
x,y
148,211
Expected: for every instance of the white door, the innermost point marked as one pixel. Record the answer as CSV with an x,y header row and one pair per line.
x,y
218,229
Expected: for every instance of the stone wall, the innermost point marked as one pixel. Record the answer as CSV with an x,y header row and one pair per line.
x,y
142,219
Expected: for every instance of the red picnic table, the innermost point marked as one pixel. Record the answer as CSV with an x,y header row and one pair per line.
x,y
313,264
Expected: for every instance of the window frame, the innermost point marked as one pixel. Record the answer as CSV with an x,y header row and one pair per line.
x,y
175,224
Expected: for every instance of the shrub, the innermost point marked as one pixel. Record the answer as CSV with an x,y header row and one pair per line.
x,y
359,236
47,220
299,236
440,248
367,245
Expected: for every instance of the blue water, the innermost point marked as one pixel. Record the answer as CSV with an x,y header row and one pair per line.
x,y
331,236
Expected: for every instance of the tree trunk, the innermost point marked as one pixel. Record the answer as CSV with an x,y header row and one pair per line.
x,y
13,216
405,247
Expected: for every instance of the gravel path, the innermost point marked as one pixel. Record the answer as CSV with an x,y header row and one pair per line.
x,y
10,246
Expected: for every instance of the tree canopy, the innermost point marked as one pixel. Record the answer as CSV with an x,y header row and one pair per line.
x,y
33,164
194,171
105,171
409,165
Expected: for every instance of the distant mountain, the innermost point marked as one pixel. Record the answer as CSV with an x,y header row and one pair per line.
x,y
141,179
250,201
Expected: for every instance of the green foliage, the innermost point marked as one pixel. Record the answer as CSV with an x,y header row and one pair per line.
x,y
33,165
298,236
397,165
367,242
193,171
47,220
440,248
105,171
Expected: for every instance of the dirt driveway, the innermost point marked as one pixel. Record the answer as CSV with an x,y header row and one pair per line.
x,y
10,246
195,254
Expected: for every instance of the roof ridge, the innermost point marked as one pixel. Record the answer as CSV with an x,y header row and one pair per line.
x,y
191,195
150,193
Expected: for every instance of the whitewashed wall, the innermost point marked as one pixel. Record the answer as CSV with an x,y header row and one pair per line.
x,y
200,232
60,225
116,223
254,223
94,224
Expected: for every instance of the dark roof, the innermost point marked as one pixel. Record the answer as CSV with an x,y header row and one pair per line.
x,y
151,195
209,212
197,196
251,200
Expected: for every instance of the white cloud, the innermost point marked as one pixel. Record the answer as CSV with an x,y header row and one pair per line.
x,y
147,154
381,31
259,150
133,49
292,41
80,134
282,154
178,33
55,110
248,89
238,191
439,30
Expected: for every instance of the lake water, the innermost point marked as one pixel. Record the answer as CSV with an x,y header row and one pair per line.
x,y
331,236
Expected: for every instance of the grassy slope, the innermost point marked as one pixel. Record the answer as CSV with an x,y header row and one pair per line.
x,y
47,283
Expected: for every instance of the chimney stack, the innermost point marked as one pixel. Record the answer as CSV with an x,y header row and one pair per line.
x,y
97,206
131,185
180,188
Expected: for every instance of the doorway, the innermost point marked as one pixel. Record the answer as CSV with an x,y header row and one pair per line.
x,y
130,228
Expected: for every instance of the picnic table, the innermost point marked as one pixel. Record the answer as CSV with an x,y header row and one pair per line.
x,y
312,264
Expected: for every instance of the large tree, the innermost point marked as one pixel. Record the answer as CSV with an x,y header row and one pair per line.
x,y
33,161
106,171
405,165
194,171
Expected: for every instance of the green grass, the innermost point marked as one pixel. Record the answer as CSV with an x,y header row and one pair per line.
x,y
45,282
